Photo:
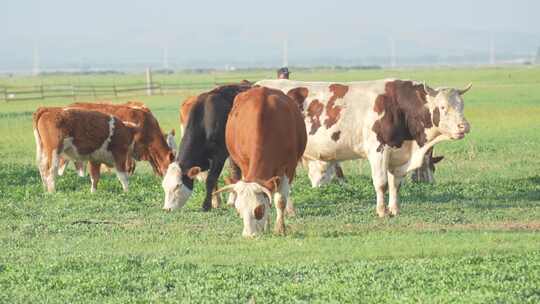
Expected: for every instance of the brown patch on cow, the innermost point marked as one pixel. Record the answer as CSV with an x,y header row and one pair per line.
x,y
436,116
88,131
405,115
335,135
314,112
333,111
259,212
299,95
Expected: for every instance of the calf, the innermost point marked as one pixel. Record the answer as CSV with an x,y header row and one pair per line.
x,y
150,144
81,135
202,147
266,137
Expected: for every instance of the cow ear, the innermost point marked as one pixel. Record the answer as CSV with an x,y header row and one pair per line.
x,y
193,172
173,132
437,159
272,184
431,92
171,156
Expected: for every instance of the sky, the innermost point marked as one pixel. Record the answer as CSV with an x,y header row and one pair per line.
x,y
217,33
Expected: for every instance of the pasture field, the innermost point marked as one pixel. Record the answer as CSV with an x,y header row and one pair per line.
x,y
473,237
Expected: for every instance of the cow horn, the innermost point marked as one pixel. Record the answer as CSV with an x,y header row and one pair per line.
x,y
267,192
463,91
431,92
227,188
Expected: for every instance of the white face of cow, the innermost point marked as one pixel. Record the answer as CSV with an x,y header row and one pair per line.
x,y
252,202
176,193
320,172
447,111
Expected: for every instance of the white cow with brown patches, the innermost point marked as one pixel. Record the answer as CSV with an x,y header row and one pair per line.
x,y
81,135
392,123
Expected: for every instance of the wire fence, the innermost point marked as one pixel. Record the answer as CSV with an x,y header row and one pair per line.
x,y
12,94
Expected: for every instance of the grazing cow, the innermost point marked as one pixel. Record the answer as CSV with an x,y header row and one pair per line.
x,y
185,108
266,137
202,147
81,135
392,123
150,145
426,172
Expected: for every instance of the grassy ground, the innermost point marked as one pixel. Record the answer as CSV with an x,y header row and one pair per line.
x,y
471,238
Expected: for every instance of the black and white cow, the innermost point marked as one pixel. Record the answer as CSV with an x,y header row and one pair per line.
x,y
202,147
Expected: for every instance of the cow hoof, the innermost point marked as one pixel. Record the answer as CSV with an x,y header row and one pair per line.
x,y
216,201
206,208
394,211
167,209
382,212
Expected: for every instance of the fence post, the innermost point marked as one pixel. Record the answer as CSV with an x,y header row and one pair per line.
x,y
160,88
94,91
73,92
41,91
5,94
148,82
114,90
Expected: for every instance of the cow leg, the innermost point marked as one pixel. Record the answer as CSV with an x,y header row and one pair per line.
x,y
378,163
394,183
339,173
216,198
211,181
80,166
49,168
123,178
235,175
62,164
94,175
280,201
289,209
122,166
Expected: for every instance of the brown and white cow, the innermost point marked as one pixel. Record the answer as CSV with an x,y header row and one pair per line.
x,y
81,135
266,137
150,144
392,123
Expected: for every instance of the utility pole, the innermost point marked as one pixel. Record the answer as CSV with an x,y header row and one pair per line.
x,y
491,51
392,52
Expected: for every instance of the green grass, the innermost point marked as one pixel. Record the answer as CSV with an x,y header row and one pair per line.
x,y
471,238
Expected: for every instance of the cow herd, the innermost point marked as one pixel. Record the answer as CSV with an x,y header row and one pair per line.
x,y
265,130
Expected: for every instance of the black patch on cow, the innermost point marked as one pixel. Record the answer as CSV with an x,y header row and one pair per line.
x,y
436,116
335,135
405,115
